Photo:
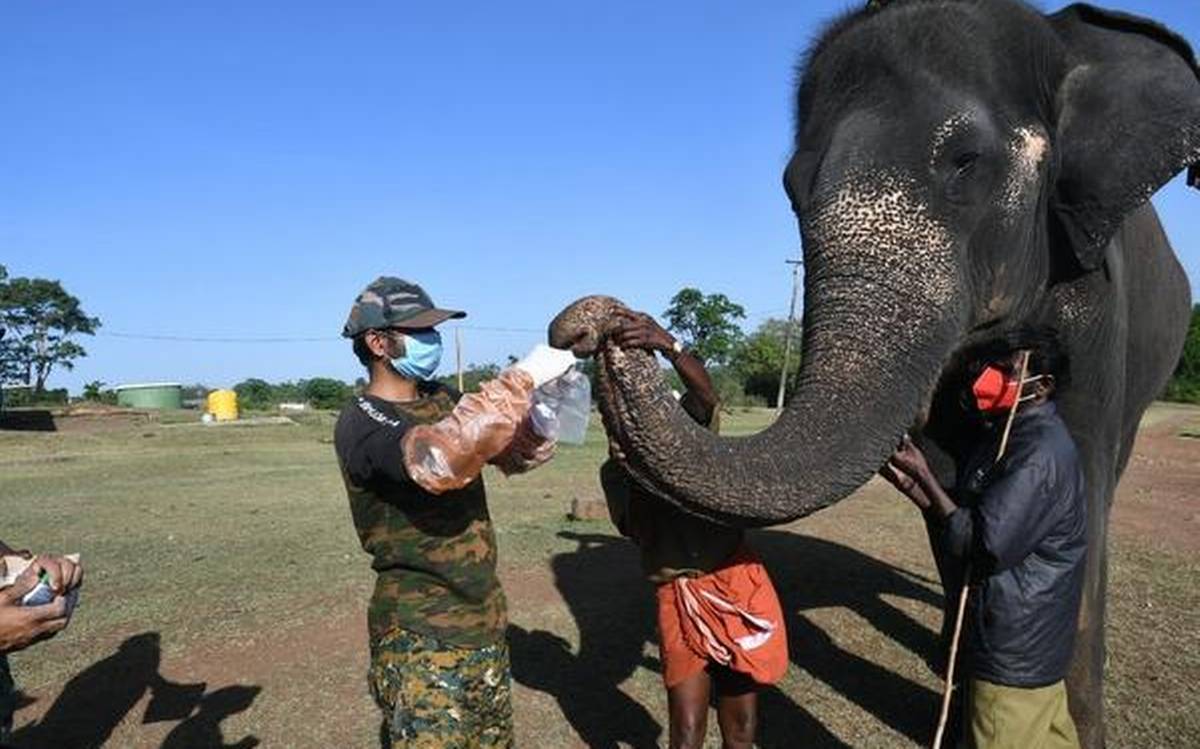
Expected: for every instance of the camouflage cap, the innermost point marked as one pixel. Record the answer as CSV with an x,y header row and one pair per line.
x,y
390,302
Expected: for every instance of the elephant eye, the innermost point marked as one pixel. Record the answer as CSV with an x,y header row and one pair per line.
x,y
800,178
965,163
967,179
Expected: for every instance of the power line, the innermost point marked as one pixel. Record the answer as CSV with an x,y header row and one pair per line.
x,y
488,329
175,338
204,339
293,339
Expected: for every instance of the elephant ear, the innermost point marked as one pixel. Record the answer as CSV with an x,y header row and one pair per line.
x,y
1128,121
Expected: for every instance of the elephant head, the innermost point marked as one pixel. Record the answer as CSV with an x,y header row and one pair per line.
x,y
952,162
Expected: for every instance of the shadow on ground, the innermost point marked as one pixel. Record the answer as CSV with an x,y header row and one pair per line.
x,y
27,420
95,701
811,573
613,608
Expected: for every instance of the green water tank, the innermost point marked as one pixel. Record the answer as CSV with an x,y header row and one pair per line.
x,y
150,395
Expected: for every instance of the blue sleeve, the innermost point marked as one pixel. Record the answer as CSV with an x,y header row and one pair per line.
x,y
1014,514
1018,511
959,533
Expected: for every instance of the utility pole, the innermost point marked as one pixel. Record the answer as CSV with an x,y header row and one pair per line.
x,y
458,355
787,333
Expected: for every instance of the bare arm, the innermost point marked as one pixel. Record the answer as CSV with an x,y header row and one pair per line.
x,y
639,330
695,379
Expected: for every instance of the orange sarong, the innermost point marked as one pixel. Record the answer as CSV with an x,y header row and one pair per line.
x,y
730,617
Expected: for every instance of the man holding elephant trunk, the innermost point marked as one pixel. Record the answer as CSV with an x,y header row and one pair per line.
x,y
719,619
1016,525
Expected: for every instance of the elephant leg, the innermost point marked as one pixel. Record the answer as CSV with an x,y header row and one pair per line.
x,y
1085,681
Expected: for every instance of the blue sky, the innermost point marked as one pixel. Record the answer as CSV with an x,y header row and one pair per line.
x,y
242,169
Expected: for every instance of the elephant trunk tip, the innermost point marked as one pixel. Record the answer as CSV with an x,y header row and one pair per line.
x,y
582,325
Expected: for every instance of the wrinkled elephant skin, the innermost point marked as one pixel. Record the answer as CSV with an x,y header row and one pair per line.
x,y
959,170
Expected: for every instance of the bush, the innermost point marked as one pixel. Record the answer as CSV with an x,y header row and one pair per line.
x,y
254,394
1180,391
473,376
758,360
319,392
1185,385
107,397
325,392
26,397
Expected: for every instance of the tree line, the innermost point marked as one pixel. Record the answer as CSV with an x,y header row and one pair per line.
x,y
745,367
40,324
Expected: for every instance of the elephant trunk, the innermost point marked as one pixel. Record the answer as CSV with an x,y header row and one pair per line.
x,y
880,321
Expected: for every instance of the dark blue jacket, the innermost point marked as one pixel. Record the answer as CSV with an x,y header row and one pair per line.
x,y
1023,525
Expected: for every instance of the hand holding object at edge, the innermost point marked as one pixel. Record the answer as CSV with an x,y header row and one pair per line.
x,y
22,626
65,572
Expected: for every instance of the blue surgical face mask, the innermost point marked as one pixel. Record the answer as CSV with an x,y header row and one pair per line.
x,y
422,354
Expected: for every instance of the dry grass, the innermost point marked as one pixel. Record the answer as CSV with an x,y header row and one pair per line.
x,y
235,547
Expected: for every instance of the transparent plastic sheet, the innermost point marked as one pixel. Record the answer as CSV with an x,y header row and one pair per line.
x,y
450,454
542,418
530,448
562,407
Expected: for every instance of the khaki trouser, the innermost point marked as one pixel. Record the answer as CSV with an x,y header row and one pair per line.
x,y
1001,717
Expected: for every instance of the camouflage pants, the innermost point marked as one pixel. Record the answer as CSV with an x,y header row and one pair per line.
x,y
441,697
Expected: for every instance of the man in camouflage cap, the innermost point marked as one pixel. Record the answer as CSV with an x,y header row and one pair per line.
x,y
390,302
439,661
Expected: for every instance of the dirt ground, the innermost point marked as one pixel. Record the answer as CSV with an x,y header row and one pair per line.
x,y
272,652
1159,498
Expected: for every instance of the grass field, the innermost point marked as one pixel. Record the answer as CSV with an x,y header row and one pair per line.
x,y
225,594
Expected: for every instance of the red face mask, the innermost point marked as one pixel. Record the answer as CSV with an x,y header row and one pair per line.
x,y
996,390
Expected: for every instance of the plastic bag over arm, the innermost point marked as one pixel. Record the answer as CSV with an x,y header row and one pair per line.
x,y
530,448
450,454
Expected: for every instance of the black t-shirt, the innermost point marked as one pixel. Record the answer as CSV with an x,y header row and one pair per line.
x,y
435,554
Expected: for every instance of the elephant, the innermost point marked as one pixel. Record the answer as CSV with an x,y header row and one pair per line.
x,y
960,169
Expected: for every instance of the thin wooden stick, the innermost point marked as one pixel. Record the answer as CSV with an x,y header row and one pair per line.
x,y
944,716
1012,412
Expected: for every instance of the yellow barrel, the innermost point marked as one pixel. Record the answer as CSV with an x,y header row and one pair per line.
x,y
222,404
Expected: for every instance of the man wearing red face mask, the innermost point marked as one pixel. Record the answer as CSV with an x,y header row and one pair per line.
x,y
1017,525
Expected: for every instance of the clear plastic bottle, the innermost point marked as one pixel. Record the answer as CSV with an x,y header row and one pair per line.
x,y
562,408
